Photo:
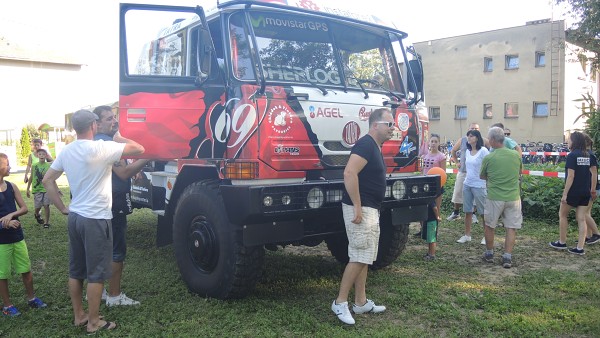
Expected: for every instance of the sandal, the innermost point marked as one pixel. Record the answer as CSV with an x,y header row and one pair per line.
x,y
39,219
84,323
107,326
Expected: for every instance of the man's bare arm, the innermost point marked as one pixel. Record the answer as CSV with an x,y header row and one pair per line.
x,y
132,148
52,190
126,171
353,167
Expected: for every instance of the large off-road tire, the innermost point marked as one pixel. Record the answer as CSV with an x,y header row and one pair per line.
x,y
392,241
209,251
338,246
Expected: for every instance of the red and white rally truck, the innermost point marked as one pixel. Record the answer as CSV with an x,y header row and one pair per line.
x,y
249,112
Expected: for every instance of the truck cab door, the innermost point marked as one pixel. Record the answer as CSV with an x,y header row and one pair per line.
x,y
166,56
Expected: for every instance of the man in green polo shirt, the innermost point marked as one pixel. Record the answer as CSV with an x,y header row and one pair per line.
x,y
501,169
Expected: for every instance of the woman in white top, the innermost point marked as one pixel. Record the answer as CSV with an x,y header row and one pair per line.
x,y
474,191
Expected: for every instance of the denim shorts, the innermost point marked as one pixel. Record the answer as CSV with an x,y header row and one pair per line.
x,y
474,197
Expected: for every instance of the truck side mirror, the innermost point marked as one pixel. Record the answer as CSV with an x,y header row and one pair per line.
x,y
204,55
417,71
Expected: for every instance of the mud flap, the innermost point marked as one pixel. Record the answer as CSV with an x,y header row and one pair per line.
x,y
416,213
273,232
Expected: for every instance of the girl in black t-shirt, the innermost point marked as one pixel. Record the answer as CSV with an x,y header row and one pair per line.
x,y
578,191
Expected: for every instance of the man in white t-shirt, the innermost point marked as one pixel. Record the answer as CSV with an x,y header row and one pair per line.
x,y
88,166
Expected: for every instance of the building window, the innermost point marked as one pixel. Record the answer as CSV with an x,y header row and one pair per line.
x,y
540,109
487,111
511,110
460,112
540,59
512,62
434,113
488,64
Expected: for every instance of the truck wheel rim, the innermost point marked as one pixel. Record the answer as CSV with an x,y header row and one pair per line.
x,y
203,244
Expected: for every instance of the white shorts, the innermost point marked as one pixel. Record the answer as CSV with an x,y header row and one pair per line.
x,y
363,238
457,195
509,210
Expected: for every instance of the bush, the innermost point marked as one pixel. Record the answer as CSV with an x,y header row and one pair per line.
x,y
24,147
540,197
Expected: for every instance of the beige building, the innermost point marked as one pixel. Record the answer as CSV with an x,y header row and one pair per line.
x,y
43,78
526,77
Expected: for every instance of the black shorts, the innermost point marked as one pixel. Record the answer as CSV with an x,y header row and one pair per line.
x,y
578,201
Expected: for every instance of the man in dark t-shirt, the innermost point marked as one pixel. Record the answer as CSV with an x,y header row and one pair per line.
x,y
121,207
364,180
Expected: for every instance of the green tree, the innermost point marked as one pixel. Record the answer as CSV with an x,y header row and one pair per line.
x,y
585,31
33,131
589,111
24,146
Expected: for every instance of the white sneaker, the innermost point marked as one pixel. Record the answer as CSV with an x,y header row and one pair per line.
x,y
464,239
104,295
343,313
121,299
453,217
483,241
475,220
368,307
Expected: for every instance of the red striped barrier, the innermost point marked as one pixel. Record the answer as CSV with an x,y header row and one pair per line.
x,y
557,174
545,153
543,173
525,172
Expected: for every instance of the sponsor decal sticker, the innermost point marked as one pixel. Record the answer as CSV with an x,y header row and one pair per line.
x,y
363,114
407,147
280,119
350,134
290,23
403,121
324,112
281,149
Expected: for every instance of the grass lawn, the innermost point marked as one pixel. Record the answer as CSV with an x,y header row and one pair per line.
x,y
546,293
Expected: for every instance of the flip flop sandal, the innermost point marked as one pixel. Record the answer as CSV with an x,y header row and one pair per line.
x,y
84,323
108,326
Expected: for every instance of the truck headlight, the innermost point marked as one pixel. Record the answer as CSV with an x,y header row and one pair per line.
x,y
399,190
315,198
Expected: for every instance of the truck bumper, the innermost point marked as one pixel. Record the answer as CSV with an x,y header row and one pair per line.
x,y
284,213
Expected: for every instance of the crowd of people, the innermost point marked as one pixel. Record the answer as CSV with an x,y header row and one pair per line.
x,y
98,180
487,186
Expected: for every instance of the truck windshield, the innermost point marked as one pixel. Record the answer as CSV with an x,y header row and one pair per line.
x,y
299,49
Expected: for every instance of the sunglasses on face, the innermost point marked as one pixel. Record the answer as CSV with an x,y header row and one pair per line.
x,y
506,134
388,124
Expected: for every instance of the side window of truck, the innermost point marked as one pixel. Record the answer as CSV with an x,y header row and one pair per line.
x,y
162,54
240,48
217,36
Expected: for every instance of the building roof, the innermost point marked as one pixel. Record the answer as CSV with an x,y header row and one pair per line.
x,y
10,49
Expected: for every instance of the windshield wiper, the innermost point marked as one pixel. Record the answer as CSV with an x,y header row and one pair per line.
x,y
379,85
351,76
314,84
